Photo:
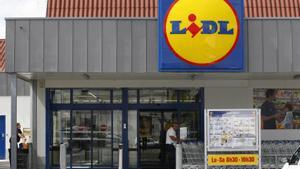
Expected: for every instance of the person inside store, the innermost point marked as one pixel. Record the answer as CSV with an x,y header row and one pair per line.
x,y
289,119
162,143
171,141
268,110
285,121
20,136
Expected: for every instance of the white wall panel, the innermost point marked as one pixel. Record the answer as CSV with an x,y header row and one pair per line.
x,y
51,46
22,46
65,53
80,46
94,46
36,48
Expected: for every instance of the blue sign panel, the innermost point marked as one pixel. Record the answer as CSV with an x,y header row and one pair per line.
x,y
201,35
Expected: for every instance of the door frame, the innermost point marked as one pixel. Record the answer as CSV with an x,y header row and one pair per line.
x,y
3,149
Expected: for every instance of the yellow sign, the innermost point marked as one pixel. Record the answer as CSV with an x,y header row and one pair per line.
x,y
233,160
204,33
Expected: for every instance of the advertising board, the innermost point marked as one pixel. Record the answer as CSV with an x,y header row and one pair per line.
x,y
232,137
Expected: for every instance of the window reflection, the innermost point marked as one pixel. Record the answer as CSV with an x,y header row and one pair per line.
x,y
61,134
91,137
190,121
149,96
60,96
132,96
188,96
117,135
91,96
146,96
81,138
102,136
117,96
132,137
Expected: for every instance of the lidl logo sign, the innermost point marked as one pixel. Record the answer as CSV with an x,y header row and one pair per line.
x,y
200,35
211,35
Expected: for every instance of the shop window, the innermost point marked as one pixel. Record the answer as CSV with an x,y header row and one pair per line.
x,y
150,96
102,137
91,96
132,138
60,96
117,135
117,96
61,134
81,138
188,96
287,107
132,96
189,122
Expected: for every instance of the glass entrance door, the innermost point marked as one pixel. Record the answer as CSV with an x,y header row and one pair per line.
x,y
91,136
152,137
93,122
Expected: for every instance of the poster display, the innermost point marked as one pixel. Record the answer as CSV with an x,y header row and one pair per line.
x,y
230,133
232,130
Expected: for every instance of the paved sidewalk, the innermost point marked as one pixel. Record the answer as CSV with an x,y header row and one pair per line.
x,y
4,164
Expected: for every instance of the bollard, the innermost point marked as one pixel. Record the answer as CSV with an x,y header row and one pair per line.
x,y
178,156
120,156
63,156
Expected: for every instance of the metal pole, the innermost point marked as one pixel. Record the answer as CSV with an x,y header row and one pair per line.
x,y
178,156
34,123
120,156
63,156
13,144
259,139
205,139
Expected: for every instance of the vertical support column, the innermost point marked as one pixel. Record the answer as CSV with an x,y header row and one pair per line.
x,y
34,123
202,115
13,144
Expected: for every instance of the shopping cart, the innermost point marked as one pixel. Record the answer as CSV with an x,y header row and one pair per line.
x,y
193,155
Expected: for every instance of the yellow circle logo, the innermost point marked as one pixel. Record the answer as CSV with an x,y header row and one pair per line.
x,y
201,32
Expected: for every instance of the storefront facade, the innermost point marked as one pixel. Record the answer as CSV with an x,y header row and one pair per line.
x,y
94,127
96,83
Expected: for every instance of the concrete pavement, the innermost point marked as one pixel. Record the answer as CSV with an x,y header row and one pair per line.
x,y
4,164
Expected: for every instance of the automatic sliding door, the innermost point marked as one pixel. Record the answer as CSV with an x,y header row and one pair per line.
x,y
132,138
117,135
81,138
153,125
102,138
61,134
107,135
92,138
190,121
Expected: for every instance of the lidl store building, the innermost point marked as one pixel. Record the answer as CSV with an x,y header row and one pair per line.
x,y
98,81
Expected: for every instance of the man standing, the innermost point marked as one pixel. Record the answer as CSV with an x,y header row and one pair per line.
x,y
19,136
171,141
268,110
